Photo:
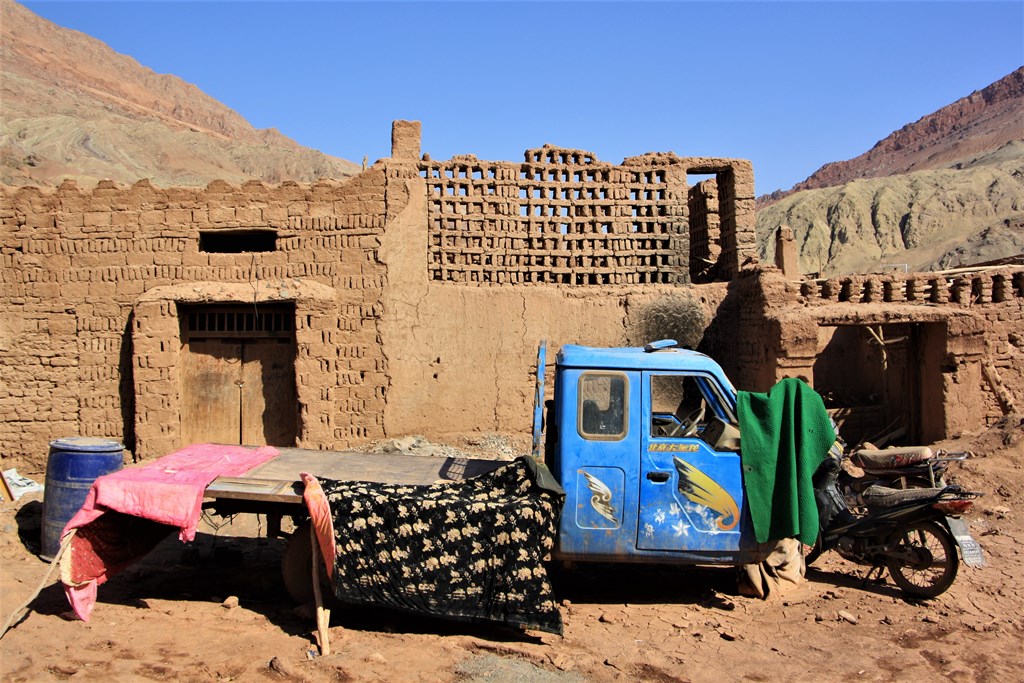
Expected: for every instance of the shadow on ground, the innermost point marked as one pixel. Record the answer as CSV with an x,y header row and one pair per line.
x,y
608,584
214,567
29,519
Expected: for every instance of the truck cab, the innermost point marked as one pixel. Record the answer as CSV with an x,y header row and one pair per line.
x,y
645,442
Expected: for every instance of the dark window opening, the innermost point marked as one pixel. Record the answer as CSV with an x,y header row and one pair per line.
x,y
237,321
237,241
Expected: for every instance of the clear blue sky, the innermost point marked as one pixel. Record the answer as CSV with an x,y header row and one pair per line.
x,y
789,85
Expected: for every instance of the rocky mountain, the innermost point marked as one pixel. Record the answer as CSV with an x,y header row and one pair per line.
x,y
982,122
943,192
72,107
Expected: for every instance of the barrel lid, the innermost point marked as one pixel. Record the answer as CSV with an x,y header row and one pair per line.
x,y
89,444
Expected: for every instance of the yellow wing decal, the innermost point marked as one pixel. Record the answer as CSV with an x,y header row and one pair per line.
x,y
701,489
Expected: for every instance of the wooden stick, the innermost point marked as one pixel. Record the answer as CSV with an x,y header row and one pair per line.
x,y
880,338
42,584
323,615
8,493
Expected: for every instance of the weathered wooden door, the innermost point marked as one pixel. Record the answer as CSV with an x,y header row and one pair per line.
x,y
210,371
268,393
238,375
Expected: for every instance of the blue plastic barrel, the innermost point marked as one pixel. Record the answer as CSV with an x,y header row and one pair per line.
x,y
74,464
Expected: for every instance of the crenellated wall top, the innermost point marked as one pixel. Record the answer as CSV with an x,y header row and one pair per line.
x,y
145,190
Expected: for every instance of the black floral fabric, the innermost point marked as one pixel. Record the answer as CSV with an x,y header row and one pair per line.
x,y
469,550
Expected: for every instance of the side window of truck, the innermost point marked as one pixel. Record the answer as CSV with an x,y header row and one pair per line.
x,y
603,406
678,406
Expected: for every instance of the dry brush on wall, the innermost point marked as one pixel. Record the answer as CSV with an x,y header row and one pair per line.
x,y
674,315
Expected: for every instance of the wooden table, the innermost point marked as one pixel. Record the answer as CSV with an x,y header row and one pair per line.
x,y
277,480
275,489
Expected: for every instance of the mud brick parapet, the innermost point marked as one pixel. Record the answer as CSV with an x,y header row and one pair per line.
x,y
984,286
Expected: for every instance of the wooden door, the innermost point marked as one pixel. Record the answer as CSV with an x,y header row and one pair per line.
x,y
268,393
238,375
210,372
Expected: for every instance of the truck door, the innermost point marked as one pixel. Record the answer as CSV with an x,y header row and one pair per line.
x,y
598,442
691,495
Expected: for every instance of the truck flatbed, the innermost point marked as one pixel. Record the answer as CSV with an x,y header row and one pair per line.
x,y
277,480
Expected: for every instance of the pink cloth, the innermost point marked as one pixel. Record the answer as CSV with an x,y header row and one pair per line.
x,y
167,491
320,518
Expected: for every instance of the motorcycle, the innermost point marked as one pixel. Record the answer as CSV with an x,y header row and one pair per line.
x,y
915,467
913,533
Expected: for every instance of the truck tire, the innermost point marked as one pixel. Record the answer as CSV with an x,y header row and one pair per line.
x,y
297,569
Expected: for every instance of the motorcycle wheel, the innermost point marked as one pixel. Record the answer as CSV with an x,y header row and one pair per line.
x,y
936,561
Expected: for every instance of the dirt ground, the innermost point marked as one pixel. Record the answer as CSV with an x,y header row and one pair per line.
x,y
169,617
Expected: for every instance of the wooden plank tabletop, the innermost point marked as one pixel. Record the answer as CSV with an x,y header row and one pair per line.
x,y
277,480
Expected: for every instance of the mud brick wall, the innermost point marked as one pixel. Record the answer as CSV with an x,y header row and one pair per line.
x,y
95,281
560,217
420,290
981,311
89,338
705,231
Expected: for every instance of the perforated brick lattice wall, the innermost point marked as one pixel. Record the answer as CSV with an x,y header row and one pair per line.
x,y
560,217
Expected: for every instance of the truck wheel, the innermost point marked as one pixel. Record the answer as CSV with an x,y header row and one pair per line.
x,y
297,569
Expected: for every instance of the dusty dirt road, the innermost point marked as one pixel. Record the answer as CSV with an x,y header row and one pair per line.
x,y
164,618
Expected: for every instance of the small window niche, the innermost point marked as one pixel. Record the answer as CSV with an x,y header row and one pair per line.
x,y
237,241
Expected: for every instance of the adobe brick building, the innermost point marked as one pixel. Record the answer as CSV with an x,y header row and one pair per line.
x,y
411,298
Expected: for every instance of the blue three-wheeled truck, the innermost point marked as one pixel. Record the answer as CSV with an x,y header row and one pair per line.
x,y
646,444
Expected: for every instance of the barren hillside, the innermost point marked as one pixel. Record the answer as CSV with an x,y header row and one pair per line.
x,y
945,191
72,107
924,220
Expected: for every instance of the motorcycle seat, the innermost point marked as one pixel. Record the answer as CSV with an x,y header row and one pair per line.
x,y
890,458
885,497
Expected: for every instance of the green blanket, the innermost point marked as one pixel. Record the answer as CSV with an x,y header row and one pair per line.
x,y
784,435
